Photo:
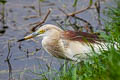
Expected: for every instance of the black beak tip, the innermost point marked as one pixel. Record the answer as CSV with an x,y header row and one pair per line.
x,y
21,40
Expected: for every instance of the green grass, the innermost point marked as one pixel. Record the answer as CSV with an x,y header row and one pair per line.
x,y
3,1
105,66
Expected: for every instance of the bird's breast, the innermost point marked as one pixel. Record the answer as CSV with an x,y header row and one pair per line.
x,y
54,47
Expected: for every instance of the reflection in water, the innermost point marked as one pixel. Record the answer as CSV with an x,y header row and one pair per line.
x,y
10,69
8,61
3,18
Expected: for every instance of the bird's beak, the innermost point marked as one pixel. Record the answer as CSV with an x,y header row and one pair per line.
x,y
32,35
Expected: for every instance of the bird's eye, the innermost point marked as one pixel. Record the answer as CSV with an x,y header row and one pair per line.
x,y
42,31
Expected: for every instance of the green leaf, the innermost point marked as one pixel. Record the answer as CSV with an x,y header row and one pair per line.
x,y
74,75
42,0
3,1
75,3
91,2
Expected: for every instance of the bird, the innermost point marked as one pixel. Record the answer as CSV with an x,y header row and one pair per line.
x,y
67,44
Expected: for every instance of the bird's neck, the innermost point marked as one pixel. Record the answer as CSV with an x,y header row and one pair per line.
x,y
52,44
53,37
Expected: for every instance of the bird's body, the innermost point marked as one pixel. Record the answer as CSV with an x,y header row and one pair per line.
x,y
67,44
61,46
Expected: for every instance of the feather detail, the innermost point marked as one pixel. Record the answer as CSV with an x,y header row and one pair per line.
x,y
81,36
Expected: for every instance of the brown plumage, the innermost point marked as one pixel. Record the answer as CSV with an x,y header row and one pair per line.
x,y
81,36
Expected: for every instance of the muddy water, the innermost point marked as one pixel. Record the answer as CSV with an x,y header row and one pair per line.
x,y
22,58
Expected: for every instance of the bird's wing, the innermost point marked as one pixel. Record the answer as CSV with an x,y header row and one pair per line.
x,y
81,36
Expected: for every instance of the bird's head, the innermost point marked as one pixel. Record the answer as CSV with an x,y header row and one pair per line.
x,y
44,30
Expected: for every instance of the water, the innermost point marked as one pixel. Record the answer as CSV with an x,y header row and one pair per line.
x,y
24,56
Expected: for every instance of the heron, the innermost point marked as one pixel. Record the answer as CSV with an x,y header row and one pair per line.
x,y
66,44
